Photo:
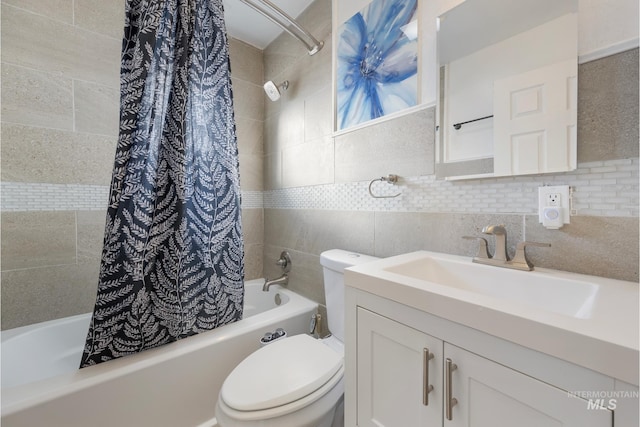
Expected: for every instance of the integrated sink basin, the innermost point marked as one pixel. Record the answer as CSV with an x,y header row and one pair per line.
x,y
540,290
587,320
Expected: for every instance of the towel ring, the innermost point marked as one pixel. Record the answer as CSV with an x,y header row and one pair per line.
x,y
392,179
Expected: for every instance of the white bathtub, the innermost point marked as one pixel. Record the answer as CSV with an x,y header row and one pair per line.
x,y
175,385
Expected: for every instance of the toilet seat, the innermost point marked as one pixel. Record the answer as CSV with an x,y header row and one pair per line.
x,y
316,404
281,378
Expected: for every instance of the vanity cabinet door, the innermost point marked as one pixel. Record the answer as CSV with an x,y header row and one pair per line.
x,y
493,395
395,363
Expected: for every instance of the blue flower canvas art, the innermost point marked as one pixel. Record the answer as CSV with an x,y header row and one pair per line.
x,y
377,62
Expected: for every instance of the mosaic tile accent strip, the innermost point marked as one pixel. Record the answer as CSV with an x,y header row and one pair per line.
x,y
607,188
251,199
23,196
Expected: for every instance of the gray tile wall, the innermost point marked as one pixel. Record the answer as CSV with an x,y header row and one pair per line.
x,y
60,86
60,106
307,211
247,74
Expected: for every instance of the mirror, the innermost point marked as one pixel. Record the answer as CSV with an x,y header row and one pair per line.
x,y
507,100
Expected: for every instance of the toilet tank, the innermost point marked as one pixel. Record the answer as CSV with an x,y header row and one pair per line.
x,y
333,263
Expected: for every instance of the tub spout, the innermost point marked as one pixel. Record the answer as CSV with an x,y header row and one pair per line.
x,y
282,280
285,264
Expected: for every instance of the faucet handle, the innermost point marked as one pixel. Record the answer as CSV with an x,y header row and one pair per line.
x,y
284,262
483,252
521,259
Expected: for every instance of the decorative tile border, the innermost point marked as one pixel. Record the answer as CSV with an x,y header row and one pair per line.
x,y
23,196
607,188
251,199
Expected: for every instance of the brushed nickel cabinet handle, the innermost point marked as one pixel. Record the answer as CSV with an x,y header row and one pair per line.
x,y
450,400
426,387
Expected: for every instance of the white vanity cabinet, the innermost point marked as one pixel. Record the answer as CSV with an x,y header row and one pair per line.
x,y
489,394
399,374
395,354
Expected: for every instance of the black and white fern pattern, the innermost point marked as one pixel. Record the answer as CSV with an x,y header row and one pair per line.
x,y
172,259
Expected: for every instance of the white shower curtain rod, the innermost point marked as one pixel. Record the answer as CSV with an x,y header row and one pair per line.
x,y
280,17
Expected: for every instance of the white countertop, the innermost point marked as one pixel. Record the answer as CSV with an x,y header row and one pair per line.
x,y
607,341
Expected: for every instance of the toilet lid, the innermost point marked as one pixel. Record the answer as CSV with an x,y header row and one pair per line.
x,y
280,373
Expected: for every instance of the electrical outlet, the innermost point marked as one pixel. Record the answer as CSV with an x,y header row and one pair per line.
x,y
554,196
554,199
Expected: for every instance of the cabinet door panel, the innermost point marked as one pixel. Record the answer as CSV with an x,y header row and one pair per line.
x,y
492,395
390,374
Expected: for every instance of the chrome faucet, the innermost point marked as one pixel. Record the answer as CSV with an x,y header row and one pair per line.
x,y
500,257
285,263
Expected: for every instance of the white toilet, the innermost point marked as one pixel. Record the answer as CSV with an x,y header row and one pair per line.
x,y
298,381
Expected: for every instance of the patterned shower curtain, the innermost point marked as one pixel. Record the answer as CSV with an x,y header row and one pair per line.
x,y
172,258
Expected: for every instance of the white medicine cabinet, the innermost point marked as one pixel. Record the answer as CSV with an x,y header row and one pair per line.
x,y
507,99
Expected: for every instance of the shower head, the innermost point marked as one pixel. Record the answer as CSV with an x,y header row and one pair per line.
x,y
274,92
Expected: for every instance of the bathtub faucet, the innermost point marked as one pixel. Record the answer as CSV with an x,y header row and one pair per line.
x,y
282,280
285,264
